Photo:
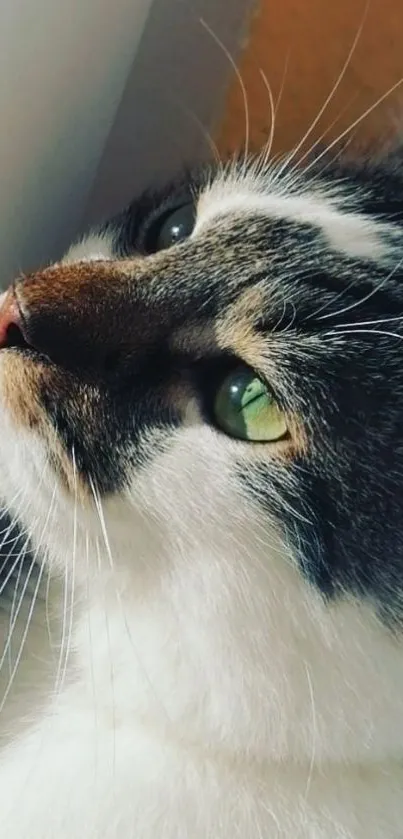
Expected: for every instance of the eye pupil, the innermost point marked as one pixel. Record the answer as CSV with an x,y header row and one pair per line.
x,y
177,232
172,227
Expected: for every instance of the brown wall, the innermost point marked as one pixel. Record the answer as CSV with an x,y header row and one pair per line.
x,y
302,46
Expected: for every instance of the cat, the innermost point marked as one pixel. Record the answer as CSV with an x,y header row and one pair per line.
x,y
201,442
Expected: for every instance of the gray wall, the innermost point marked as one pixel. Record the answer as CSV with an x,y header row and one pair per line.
x,y
173,95
64,65
143,73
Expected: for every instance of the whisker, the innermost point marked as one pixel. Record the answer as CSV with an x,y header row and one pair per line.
x,y
282,85
16,584
62,669
241,83
269,145
13,525
47,610
324,134
206,135
112,683
90,642
5,511
102,522
6,560
60,663
11,571
356,302
335,86
100,512
314,731
15,522
20,558
356,122
368,322
25,633
364,332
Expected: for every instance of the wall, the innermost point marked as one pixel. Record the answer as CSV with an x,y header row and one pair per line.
x,y
302,45
97,98
174,94
63,66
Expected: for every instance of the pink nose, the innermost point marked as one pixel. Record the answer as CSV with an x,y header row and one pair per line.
x,y
10,318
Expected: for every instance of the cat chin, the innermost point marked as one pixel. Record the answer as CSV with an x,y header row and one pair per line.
x,y
187,644
213,636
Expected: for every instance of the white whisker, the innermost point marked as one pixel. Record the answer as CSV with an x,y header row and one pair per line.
x,y
368,322
98,506
355,123
240,82
314,731
364,332
356,302
18,608
282,85
90,643
298,166
206,135
14,565
65,648
111,674
269,145
335,86
16,583
25,633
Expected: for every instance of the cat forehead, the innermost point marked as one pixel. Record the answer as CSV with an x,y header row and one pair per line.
x,y
351,233
327,210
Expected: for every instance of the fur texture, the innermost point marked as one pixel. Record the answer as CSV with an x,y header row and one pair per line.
x,y
205,637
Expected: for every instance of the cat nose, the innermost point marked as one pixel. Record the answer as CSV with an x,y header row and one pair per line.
x,y
12,326
28,322
72,315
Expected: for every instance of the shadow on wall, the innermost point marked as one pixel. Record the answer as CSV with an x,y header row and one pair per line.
x,y
77,73
63,69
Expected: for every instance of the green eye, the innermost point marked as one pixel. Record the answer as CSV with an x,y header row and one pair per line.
x,y
245,408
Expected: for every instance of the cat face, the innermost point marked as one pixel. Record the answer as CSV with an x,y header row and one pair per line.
x,y
222,355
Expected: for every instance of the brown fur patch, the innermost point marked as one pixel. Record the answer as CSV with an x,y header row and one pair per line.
x,y
20,390
61,284
235,331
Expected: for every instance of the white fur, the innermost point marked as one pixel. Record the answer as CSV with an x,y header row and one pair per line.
x,y
349,233
206,689
90,249
193,685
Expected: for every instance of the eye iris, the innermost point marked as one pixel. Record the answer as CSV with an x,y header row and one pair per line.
x,y
245,409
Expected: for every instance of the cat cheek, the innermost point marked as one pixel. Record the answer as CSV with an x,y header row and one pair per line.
x,y
19,389
21,383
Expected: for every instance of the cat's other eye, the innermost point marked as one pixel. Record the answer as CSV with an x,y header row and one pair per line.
x,y
245,408
170,228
